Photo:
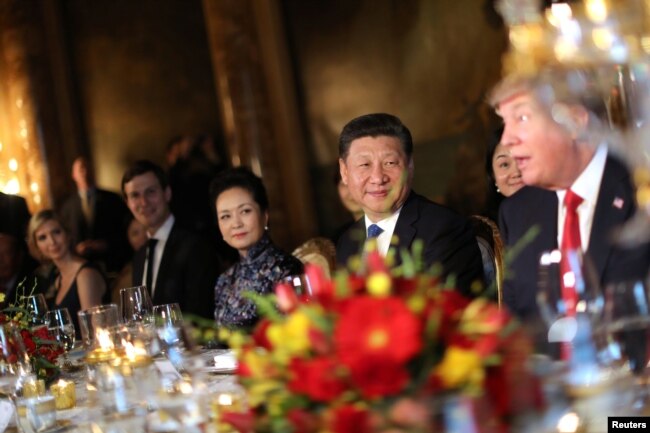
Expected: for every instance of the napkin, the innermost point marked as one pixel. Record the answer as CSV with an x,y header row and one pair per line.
x,y
6,414
225,361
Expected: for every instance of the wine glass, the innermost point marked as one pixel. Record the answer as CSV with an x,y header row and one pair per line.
x,y
13,361
167,315
59,323
136,306
37,307
627,320
571,305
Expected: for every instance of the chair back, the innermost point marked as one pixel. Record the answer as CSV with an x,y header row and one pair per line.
x,y
491,246
318,251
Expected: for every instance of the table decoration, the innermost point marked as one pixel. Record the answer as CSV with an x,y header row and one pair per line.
x,y
64,393
380,348
41,346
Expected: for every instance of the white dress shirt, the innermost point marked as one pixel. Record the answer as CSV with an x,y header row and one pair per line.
x,y
162,234
388,225
587,186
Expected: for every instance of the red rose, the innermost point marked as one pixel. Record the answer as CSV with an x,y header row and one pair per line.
x,y
377,377
317,378
243,422
259,334
302,421
349,419
30,346
286,296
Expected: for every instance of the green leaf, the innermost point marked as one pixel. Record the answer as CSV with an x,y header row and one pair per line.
x,y
265,305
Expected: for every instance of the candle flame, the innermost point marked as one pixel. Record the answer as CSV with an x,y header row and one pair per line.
x,y
104,339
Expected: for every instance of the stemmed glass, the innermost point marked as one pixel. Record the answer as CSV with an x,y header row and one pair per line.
x,y
574,332
571,305
37,307
135,306
13,361
59,323
627,320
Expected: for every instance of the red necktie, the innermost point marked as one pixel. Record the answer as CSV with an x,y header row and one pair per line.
x,y
570,242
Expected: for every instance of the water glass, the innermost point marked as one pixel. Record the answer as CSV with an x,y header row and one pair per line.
x,y
59,323
167,315
92,319
136,306
37,307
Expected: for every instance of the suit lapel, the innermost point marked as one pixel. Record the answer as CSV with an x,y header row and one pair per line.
x,y
405,230
166,266
138,265
614,204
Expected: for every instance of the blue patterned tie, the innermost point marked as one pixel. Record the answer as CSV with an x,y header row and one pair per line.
x,y
374,230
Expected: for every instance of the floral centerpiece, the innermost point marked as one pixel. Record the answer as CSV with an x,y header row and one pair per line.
x,y
379,350
41,347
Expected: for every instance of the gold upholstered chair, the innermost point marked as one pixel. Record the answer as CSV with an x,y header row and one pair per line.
x,y
319,251
492,250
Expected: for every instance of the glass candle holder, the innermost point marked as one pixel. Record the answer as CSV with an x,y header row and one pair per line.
x,y
95,319
40,412
64,393
33,387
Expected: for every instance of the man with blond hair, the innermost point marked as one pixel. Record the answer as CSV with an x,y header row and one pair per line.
x,y
577,193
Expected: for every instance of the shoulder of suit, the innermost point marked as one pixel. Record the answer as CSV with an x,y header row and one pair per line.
x,y
427,207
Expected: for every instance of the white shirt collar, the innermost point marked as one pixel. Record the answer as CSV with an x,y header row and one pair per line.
x,y
587,185
163,231
388,225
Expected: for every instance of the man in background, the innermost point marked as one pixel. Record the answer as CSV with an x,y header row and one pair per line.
x,y
176,264
96,219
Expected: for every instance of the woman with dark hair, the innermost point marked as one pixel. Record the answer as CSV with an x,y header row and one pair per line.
x,y
241,207
504,178
76,283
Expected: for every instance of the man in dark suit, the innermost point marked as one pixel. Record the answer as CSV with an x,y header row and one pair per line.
x,y
16,269
14,215
547,132
176,264
96,219
376,163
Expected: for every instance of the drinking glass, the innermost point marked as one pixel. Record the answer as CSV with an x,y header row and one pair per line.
x,y
136,306
13,361
92,319
167,315
627,320
37,307
59,323
573,332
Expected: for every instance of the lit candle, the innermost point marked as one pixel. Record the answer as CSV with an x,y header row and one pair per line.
x,y
64,394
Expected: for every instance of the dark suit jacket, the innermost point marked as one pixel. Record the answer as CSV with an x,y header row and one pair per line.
x,y
14,215
109,224
537,207
187,273
448,240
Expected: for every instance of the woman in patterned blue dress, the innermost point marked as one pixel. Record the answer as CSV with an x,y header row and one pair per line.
x,y
241,206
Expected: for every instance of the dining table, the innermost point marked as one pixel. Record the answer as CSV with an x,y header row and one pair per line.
x,y
209,374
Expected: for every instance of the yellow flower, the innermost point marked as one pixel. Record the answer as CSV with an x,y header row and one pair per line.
x,y
2,297
379,284
291,337
460,367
